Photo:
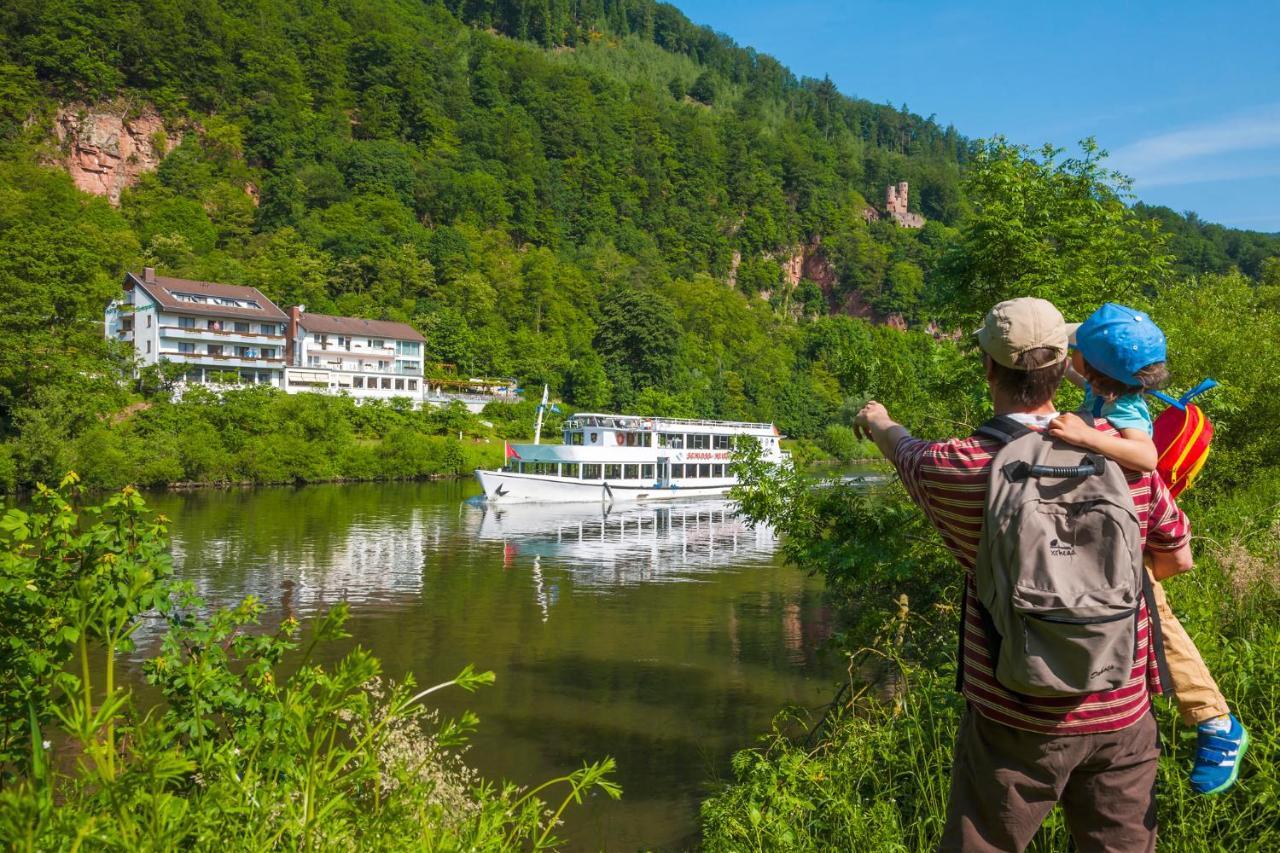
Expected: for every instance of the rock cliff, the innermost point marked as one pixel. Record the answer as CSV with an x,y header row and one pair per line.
x,y
106,148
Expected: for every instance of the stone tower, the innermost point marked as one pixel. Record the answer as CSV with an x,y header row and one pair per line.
x,y
895,206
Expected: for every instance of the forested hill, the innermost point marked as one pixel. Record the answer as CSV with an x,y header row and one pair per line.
x,y
599,194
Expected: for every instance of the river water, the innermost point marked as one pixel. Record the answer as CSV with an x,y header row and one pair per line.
x,y
666,636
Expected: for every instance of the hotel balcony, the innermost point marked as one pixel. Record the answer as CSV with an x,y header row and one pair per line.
x,y
222,362
224,337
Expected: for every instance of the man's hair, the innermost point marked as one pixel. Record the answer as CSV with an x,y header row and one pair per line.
x,y
1030,387
1153,377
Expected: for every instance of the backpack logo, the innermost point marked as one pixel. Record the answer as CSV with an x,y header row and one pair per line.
x,y
1058,548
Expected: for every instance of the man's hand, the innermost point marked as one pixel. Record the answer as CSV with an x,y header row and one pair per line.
x,y
1071,429
873,422
872,412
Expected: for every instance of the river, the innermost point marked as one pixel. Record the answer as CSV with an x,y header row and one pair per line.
x,y
666,636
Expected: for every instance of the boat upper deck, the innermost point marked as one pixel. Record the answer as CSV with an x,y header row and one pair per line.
x,y
584,420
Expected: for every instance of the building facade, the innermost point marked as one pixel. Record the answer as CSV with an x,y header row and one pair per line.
x,y
222,333
367,359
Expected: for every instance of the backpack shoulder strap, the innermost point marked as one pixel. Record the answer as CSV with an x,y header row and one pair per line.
x,y
1003,429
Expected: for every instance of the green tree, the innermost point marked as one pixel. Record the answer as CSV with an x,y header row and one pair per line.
x,y
1049,226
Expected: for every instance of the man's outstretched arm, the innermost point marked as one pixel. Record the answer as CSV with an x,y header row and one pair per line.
x,y
873,422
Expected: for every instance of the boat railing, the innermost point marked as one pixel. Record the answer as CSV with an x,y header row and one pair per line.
x,y
656,423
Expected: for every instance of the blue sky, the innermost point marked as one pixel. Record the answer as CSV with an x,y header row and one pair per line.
x,y
1185,96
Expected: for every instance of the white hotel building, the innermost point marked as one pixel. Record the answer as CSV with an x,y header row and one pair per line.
x,y
219,331
368,359
228,334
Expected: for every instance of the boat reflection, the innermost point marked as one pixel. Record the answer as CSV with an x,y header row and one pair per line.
x,y
607,546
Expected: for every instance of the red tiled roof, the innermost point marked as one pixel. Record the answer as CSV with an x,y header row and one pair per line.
x,y
162,289
325,324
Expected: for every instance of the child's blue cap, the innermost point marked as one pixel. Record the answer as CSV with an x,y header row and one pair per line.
x,y
1119,341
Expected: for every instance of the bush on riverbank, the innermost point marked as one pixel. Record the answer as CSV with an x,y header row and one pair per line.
x,y
239,754
261,435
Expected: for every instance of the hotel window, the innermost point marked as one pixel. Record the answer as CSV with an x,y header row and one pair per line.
x,y
214,349
357,382
720,442
699,441
215,325
242,328
613,472
413,385
148,321
704,470
244,352
313,361
632,472
186,322
148,346
591,472
268,352
264,377
569,469
186,346
267,329
386,383
399,384
646,472
377,343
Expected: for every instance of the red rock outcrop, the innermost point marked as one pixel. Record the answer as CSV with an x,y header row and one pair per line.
x,y
105,149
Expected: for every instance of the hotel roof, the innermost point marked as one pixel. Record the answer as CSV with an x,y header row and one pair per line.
x,y
326,324
205,297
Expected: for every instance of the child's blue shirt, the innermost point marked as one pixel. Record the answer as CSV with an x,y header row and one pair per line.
x,y
1127,412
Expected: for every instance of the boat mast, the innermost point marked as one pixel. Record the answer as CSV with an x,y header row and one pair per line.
x,y
537,429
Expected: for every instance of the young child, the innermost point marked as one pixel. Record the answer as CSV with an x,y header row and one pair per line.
x,y
1118,354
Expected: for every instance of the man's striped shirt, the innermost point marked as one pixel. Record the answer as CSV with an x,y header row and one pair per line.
x,y
949,481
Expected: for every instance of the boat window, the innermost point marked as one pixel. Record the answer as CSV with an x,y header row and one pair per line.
x,y
717,470
677,471
720,442
699,441
631,472
575,438
704,470
613,472
569,469
639,439
591,472
671,439
646,472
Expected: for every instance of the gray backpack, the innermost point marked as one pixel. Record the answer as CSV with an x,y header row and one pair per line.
x,y
1059,571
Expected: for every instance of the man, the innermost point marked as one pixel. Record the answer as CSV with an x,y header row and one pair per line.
x,y
1018,755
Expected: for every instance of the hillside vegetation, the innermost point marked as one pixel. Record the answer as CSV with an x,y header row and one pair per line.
x,y
597,195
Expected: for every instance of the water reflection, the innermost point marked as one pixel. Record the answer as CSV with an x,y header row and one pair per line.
x,y
664,635
609,546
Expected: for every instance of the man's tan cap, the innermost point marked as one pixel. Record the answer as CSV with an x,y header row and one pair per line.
x,y
1017,325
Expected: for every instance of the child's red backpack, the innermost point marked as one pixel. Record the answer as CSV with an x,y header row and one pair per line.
x,y
1182,435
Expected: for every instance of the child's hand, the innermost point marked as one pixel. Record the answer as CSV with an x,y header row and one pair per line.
x,y
1071,429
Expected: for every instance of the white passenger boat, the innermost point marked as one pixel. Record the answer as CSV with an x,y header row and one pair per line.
x,y
624,458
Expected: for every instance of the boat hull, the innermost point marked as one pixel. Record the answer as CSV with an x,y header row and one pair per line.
x,y
509,487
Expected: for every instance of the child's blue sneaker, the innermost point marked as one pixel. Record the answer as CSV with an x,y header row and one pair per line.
x,y
1222,745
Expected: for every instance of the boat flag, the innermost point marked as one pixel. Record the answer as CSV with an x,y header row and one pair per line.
x,y
509,452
